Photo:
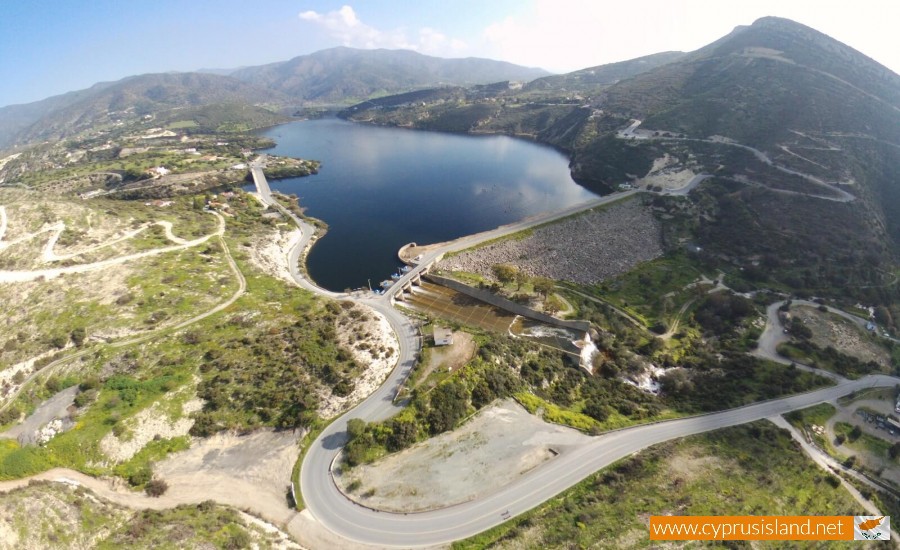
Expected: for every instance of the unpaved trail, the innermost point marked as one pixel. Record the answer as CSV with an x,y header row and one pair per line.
x,y
242,288
55,407
51,256
829,465
843,196
167,227
23,276
29,236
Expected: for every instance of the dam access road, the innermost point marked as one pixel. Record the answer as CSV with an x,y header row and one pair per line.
x,y
364,525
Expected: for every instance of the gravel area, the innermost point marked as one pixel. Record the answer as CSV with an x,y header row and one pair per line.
x,y
842,335
585,249
492,449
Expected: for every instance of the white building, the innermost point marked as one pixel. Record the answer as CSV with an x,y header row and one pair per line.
x,y
443,336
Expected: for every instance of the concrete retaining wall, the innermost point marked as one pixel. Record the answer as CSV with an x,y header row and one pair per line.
x,y
491,298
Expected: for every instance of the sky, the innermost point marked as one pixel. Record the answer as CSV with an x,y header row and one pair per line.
x,y
50,47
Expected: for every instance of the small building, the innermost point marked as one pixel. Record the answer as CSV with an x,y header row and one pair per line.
x,y
443,336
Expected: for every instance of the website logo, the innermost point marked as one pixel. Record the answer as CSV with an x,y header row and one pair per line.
x,y
871,528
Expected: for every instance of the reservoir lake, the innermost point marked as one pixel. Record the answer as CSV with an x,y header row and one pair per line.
x,y
380,188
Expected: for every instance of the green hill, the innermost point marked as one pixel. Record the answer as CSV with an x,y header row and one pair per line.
x,y
340,74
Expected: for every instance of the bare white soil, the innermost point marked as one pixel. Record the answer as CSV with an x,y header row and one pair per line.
x,y
147,425
377,351
270,253
251,472
489,451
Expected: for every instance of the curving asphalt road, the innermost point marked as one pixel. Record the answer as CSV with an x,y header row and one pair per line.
x,y
368,526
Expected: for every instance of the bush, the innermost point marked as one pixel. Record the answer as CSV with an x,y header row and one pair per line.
x,y
156,487
403,434
894,451
85,398
448,406
141,477
9,415
78,336
58,341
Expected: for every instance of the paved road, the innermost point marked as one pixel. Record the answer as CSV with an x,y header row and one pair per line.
x,y
364,525
360,524
55,407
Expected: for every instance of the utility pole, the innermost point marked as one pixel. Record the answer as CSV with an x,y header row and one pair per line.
x,y
370,284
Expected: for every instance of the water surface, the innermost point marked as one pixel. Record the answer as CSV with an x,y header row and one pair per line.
x,y
380,188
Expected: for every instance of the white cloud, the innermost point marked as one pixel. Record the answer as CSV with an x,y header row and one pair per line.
x,y
346,27
565,35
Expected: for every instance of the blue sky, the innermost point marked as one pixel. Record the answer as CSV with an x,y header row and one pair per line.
x,y
51,47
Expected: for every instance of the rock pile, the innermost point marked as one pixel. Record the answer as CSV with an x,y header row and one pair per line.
x,y
584,249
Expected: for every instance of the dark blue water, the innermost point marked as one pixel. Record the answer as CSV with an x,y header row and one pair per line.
x,y
380,188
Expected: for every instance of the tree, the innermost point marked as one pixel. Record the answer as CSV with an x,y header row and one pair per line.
x,y
140,477
482,394
521,278
800,330
58,341
883,316
403,434
505,273
543,286
675,382
355,428
597,410
448,405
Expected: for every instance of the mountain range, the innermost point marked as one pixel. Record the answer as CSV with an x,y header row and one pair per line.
x,y
800,131
333,76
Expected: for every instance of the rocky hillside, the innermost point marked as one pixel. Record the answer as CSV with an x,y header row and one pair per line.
x,y
801,131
